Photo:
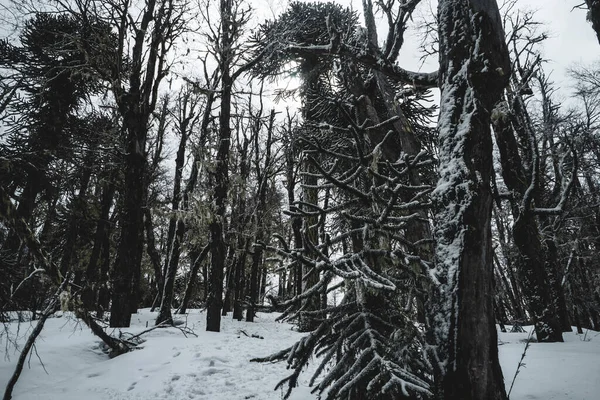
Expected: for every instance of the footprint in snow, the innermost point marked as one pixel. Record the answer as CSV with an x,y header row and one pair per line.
x,y
175,378
177,354
131,387
211,371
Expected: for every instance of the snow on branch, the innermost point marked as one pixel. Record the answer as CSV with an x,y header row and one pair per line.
x,y
379,63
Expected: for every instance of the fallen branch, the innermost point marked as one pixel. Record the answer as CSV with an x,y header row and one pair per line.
x,y
49,310
254,335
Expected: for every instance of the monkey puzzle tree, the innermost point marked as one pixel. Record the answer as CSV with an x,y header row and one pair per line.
x,y
359,148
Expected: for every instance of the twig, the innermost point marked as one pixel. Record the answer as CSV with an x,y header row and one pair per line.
x,y
521,363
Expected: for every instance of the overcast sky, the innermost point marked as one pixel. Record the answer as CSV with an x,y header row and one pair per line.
x,y
571,41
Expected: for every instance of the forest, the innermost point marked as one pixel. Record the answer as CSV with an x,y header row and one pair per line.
x,y
196,154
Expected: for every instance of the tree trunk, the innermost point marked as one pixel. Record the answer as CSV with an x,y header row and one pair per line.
x,y
176,223
154,257
164,314
532,262
594,15
219,179
474,69
96,274
197,262
254,277
129,253
74,221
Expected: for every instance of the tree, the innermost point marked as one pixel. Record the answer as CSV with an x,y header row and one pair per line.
x,y
360,149
54,76
594,15
233,15
186,119
474,70
516,138
136,92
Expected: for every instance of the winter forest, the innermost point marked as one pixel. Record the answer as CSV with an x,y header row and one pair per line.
x,y
184,171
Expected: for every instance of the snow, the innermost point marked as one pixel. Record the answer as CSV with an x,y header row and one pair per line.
x,y
212,366
552,371
216,365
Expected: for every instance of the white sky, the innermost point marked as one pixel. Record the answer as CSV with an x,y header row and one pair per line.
x,y
571,41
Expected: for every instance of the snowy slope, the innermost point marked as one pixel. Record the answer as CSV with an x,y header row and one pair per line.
x,y
214,366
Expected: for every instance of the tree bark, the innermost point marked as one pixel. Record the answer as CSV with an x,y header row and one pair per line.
x,y
97,270
219,179
474,70
176,223
533,255
594,15
75,217
154,256
136,102
197,262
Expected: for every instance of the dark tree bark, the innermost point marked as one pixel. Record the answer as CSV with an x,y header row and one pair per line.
x,y
240,219
263,174
189,289
291,166
533,254
219,179
594,15
187,116
98,265
136,102
474,70
154,256
240,280
75,218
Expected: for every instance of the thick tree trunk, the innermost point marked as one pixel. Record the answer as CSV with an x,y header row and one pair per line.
x,y
136,102
219,179
310,275
129,253
474,69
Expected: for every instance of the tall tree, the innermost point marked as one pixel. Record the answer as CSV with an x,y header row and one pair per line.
x,y
234,15
136,93
474,70
186,119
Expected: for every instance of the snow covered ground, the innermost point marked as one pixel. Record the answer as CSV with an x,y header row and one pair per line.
x,y
214,366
